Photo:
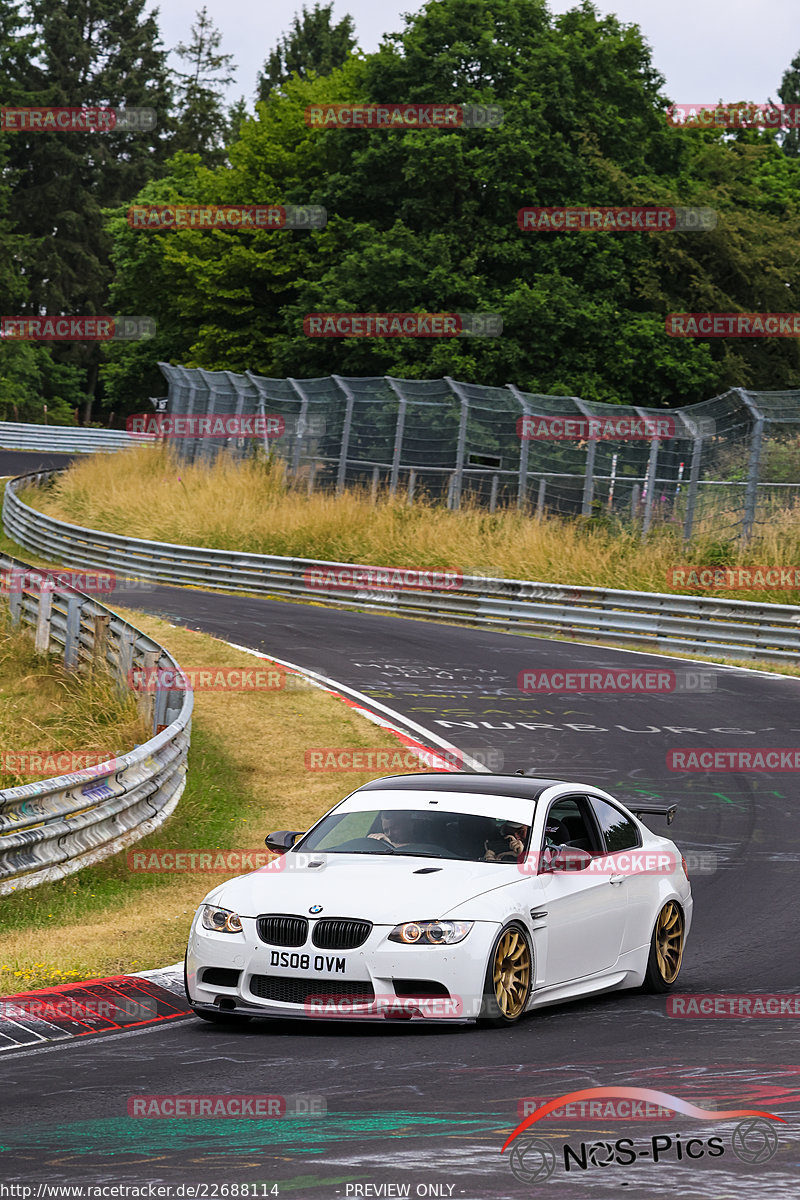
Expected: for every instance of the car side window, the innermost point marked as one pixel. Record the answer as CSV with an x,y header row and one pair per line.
x,y
619,831
568,823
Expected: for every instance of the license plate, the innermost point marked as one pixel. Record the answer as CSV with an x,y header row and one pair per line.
x,y
324,963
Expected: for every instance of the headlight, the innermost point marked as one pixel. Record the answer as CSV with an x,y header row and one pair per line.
x,y
220,919
431,933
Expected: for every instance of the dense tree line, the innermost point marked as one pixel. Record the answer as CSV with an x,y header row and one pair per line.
x,y
418,220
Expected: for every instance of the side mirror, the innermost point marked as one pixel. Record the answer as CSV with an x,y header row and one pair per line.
x,y
282,840
570,858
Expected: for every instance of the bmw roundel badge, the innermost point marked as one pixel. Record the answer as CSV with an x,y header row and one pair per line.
x,y
315,908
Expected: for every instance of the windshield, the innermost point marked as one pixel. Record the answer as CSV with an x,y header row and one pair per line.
x,y
419,833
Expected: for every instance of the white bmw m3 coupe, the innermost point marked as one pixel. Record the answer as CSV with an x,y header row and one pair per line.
x,y
447,897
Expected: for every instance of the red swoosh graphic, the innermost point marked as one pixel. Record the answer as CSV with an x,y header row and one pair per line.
x,y
634,1093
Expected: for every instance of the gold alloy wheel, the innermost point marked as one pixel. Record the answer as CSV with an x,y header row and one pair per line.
x,y
511,973
669,941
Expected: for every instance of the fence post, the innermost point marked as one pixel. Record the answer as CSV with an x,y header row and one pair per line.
x,y
302,420
345,444
398,435
524,448
756,440
45,608
635,496
454,499
312,471
376,475
540,498
694,478
591,450
493,497
412,480
72,639
650,485
588,479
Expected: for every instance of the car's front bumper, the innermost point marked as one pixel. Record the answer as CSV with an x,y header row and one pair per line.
x,y
390,970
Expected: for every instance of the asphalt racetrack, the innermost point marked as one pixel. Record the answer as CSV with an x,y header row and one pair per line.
x,y
423,1109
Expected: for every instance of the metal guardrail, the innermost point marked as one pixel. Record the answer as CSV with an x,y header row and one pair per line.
x,y
731,628
53,827
63,439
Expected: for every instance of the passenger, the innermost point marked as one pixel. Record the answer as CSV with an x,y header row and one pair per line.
x,y
398,829
516,836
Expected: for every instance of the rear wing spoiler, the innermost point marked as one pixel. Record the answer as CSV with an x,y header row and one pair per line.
x,y
654,810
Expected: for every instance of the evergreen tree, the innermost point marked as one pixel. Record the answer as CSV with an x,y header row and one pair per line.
x,y
313,43
789,92
84,53
203,124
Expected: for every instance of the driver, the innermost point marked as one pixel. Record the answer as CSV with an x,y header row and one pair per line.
x,y
516,837
398,829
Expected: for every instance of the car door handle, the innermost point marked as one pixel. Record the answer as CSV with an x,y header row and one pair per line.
x,y
617,879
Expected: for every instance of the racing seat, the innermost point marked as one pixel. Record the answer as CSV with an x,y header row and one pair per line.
x,y
576,833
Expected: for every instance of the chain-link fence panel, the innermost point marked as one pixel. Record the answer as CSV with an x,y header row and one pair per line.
x,y
728,465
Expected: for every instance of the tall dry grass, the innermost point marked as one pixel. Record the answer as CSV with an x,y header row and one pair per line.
x,y
44,708
250,506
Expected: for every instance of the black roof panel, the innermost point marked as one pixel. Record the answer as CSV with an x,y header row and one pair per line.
x,y
518,786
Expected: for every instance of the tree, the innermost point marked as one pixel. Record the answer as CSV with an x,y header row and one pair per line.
x,y
202,121
84,53
313,43
425,220
789,92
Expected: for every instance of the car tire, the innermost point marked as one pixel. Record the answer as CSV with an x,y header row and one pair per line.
x,y
666,949
509,978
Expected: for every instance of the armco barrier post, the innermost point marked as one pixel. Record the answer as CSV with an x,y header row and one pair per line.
x,y
72,637
44,603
